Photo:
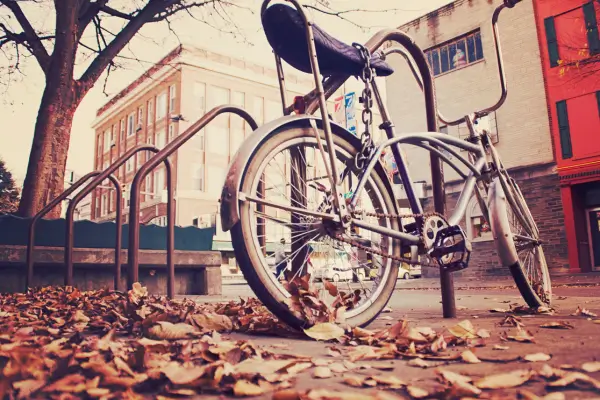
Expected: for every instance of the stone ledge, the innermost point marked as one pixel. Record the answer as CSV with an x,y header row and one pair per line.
x,y
95,257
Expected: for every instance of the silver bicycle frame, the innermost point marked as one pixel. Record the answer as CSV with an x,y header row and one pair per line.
x,y
432,141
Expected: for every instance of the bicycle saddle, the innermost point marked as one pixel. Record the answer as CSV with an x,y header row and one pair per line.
x,y
286,33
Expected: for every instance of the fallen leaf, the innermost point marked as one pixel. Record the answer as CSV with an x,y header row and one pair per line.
x,y
169,331
179,374
557,325
246,388
387,310
322,373
452,377
298,367
354,380
79,316
500,347
522,336
389,380
469,357
590,367
505,380
325,331
499,310
583,312
417,392
483,333
286,394
576,378
331,288
212,322
537,357
527,395
463,330
28,387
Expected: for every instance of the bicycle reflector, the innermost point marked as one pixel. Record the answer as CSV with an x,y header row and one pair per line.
x,y
299,105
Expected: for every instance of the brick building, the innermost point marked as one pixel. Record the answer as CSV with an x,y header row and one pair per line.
x,y
459,45
570,50
164,102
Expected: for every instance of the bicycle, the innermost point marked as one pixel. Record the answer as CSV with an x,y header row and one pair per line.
x,y
310,180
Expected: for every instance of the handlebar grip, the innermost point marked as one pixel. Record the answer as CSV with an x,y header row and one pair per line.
x,y
511,3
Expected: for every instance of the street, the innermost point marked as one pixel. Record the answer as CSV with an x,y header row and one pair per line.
x,y
567,348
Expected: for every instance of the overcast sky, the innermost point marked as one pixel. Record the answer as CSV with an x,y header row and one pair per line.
x,y
21,101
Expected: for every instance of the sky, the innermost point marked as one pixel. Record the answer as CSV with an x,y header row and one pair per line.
x,y
20,101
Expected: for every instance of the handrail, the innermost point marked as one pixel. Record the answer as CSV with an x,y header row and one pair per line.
x,y
134,200
64,195
95,182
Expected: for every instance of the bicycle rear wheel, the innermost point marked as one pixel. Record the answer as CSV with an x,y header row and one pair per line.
x,y
272,174
518,242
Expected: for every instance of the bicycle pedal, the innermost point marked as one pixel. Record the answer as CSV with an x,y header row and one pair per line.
x,y
452,249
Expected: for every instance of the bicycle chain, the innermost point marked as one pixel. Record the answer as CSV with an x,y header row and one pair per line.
x,y
370,250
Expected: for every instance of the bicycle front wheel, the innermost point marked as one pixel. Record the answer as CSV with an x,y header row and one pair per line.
x,y
518,242
289,170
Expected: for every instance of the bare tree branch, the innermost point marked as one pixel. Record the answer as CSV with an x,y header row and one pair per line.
x,y
87,14
35,44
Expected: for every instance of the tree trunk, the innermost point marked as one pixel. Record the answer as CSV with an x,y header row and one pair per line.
x,y
48,158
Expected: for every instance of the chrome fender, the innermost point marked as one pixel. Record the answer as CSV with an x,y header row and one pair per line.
x,y
497,207
230,210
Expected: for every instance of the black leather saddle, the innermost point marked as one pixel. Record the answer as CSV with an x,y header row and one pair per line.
x,y
286,33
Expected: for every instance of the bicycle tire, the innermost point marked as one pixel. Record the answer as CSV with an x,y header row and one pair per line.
x,y
535,294
247,258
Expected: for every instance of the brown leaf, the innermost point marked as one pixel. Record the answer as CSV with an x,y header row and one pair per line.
x,y
28,387
557,325
583,312
168,331
179,374
286,394
322,373
469,357
590,367
298,367
522,336
505,380
389,380
500,347
246,388
212,322
325,331
535,357
354,380
331,288
362,333
255,366
338,368
79,316
483,333
420,363
578,379
463,330
439,344
416,392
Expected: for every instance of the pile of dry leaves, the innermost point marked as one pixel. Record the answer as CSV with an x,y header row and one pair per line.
x,y
64,343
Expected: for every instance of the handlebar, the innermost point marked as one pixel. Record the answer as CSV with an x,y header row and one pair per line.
x,y
503,87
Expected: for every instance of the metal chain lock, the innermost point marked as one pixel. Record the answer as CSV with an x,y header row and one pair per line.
x,y
366,99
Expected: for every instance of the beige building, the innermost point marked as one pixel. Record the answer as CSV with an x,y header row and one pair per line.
x,y
460,50
164,102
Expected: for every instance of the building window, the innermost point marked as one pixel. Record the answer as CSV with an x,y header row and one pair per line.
x,y
150,111
199,98
237,137
171,131
99,144
148,185
591,27
455,54
122,130
172,98
216,179
258,109
161,106
140,158
113,129
564,129
160,139
104,204
140,116
106,140
130,124
159,182
217,141
273,110
129,165
150,139
198,141
197,177
159,221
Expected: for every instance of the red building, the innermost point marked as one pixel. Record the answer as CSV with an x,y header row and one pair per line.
x,y
570,51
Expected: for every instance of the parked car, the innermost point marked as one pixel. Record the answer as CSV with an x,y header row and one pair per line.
x,y
336,269
409,271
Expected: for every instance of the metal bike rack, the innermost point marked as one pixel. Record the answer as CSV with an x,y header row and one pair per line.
x,y
64,195
95,182
134,211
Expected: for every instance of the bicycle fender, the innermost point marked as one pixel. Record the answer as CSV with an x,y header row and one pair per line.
x,y
229,207
500,225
